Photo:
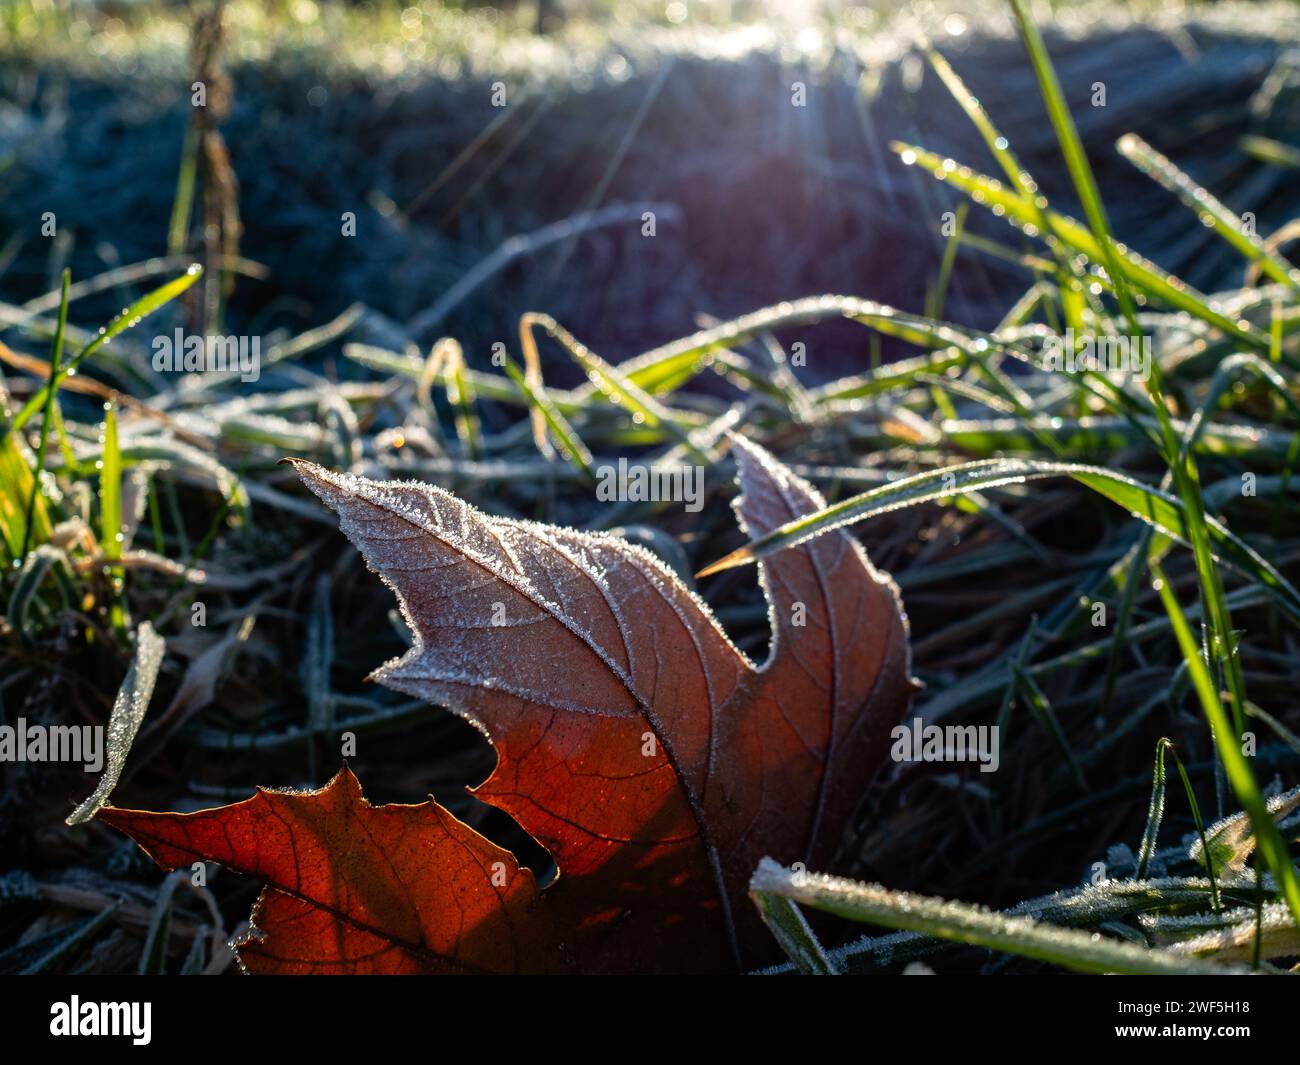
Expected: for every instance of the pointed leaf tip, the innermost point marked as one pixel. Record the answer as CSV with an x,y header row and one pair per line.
x,y
740,557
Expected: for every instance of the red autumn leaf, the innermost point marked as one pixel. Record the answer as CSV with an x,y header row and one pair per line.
x,y
651,758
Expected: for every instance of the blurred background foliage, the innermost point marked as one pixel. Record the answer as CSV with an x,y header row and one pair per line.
x,y
387,111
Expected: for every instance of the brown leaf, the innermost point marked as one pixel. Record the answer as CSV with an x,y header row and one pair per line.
x,y
353,888
652,759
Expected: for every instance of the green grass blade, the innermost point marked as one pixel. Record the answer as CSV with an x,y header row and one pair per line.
x,y
56,358
36,567
461,395
183,201
1041,708
1208,209
791,930
130,317
1159,509
1218,623
1235,765
567,437
961,923
1137,271
1155,812
1268,150
619,389
110,512
1200,825
1076,161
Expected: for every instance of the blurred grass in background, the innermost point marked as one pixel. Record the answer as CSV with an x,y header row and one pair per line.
x,y
375,111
